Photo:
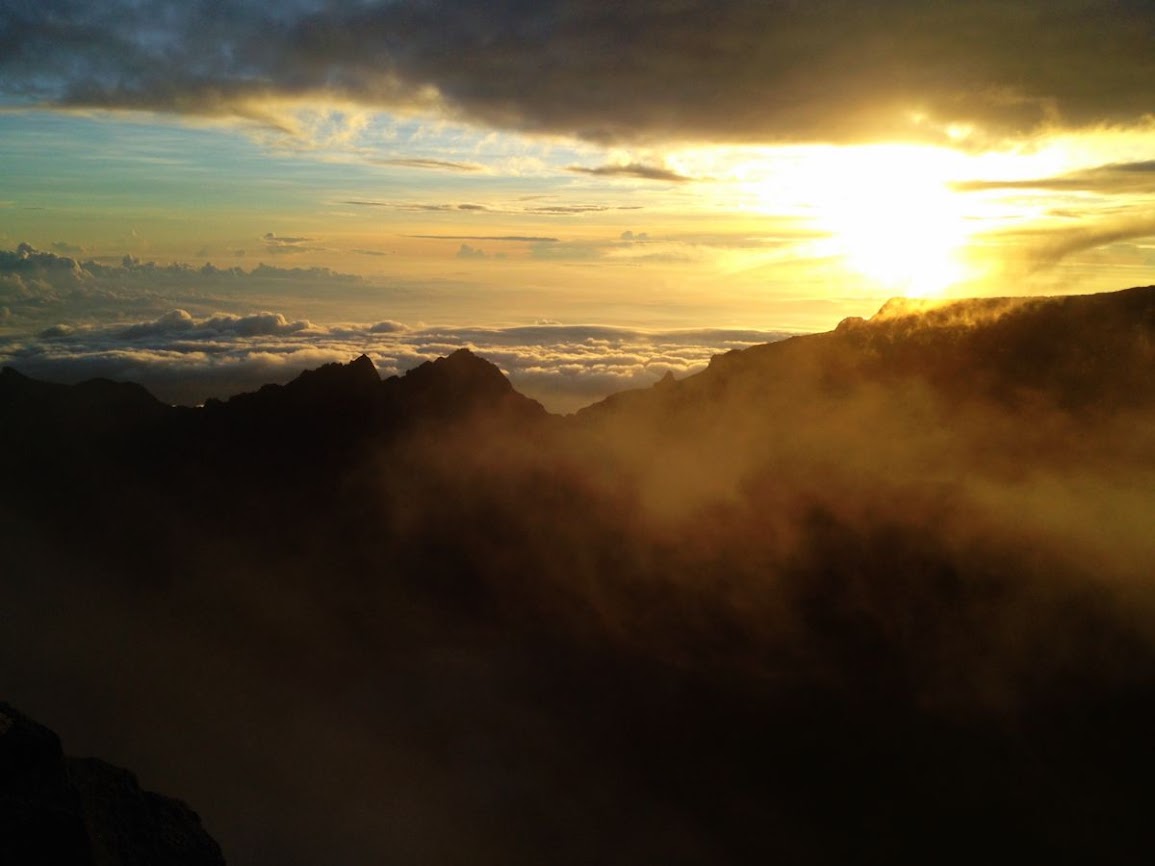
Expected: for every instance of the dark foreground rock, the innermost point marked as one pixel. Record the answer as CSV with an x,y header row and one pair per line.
x,y
61,811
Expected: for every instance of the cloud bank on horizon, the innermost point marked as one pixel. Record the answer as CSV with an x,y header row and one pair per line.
x,y
117,321
725,70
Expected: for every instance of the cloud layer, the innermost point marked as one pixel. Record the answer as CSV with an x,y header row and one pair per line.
x,y
633,170
68,320
650,69
40,289
184,359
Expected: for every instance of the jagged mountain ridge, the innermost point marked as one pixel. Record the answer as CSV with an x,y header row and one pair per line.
x,y
455,385
321,421
447,387
1079,349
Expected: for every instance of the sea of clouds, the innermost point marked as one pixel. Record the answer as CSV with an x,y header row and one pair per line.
x,y
185,333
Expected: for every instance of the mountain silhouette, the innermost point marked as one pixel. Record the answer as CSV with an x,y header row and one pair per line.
x,y
1076,352
875,595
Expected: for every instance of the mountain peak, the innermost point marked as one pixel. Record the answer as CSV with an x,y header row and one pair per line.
x,y
360,373
461,383
463,353
464,369
363,365
467,362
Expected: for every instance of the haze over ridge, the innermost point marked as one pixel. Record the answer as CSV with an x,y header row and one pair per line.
x,y
875,587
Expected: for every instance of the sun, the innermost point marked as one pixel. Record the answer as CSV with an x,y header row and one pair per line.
x,y
894,219
884,212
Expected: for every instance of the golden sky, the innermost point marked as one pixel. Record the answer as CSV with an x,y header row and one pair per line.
x,y
655,169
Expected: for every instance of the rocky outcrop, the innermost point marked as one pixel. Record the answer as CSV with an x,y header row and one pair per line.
x,y
60,811
41,821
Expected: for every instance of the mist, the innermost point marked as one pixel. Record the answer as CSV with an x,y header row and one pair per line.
x,y
880,594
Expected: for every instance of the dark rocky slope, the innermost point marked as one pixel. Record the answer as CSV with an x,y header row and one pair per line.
x,y
60,811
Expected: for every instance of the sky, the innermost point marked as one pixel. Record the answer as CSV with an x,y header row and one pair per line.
x,y
204,195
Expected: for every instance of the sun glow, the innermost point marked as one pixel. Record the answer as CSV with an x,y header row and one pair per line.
x,y
887,212
894,219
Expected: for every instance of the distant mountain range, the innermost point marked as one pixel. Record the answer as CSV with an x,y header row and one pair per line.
x,y
881,594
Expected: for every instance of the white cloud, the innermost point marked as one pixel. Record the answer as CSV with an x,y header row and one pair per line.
x,y
189,333
186,359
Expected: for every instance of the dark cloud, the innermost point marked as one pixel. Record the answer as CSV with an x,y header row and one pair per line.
x,y
395,205
26,259
1057,246
650,69
566,209
42,289
279,245
525,238
64,270
1126,177
437,164
633,169
539,210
